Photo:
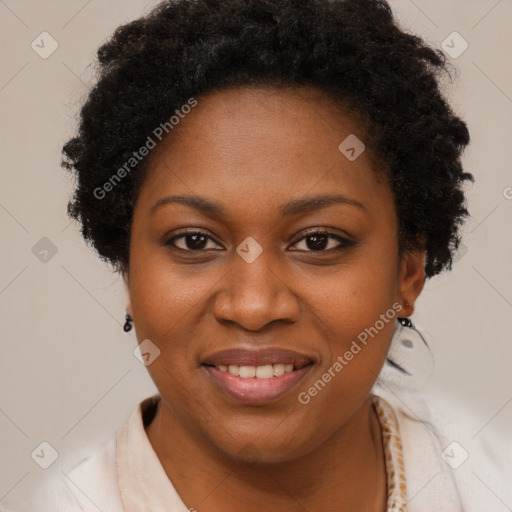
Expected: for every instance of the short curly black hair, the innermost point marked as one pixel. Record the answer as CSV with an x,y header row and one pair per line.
x,y
354,50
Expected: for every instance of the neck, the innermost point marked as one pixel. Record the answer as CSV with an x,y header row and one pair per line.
x,y
348,469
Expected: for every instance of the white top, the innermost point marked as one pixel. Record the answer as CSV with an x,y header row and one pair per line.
x,y
436,460
125,475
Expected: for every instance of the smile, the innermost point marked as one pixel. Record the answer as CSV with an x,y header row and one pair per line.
x,y
257,376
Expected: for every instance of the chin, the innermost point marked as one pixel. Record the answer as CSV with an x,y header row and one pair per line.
x,y
251,451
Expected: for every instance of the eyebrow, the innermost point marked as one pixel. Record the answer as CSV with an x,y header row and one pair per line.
x,y
292,207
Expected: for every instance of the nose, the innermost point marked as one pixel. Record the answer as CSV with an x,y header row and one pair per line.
x,y
255,294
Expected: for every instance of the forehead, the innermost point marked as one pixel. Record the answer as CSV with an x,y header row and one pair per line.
x,y
260,144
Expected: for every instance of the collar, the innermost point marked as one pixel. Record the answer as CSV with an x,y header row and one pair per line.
x,y
392,443
143,483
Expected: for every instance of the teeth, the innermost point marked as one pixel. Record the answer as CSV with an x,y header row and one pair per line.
x,y
264,372
260,372
278,369
247,372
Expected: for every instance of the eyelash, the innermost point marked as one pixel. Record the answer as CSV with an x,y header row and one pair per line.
x,y
344,242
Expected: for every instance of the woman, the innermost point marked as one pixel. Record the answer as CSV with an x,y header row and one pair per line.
x,y
275,180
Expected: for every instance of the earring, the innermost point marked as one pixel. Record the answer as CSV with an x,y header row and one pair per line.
x,y
410,362
128,323
405,322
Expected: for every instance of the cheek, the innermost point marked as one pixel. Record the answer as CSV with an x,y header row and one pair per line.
x,y
358,328
353,297
166,297
358,309
167,305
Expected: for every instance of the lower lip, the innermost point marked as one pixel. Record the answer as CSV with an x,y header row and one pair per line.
x,y
253,390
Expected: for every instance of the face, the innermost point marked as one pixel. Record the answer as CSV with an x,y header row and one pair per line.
x,y
279,256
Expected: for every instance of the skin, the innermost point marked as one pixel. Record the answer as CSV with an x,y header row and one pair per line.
x,y
252,149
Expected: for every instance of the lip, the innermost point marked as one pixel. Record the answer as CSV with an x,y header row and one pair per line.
x,y
257,357
256,391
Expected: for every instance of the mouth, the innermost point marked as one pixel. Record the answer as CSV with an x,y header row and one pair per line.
x,y
266,371
257,376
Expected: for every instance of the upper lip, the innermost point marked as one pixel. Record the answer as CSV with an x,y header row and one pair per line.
x,y
257,357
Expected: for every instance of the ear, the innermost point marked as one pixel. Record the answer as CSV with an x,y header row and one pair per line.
x,y
411,279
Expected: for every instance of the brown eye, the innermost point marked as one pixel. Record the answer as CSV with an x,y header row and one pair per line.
x,y
190,241
323,241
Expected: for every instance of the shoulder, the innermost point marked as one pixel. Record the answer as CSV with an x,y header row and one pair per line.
x,y
90,485
447,453
93,483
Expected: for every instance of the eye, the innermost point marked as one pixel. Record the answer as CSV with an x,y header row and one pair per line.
x,y
323,241
315,241
191,241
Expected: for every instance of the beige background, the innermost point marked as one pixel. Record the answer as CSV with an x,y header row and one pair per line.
x,y
67,370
